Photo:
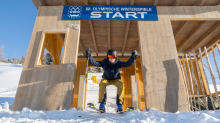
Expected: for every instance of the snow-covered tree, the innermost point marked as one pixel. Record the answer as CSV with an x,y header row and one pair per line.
x,y
22,60
15,61
1,52
47,59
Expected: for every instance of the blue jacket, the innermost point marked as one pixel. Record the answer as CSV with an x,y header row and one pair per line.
x,y
111,70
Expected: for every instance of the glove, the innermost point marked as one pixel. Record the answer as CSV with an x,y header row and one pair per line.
x,y
88,52
134,54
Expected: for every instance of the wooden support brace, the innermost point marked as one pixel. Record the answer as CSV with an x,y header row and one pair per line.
x,y
63,2
195,81
218,48
80,93
155,2
200,80
177,2
133,89
216,62
212,75
81,46
186,83
93,36
42,3
200,2
190,77
206,78
180,28
126,37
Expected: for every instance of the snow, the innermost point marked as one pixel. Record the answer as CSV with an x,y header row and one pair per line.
x,y
8,90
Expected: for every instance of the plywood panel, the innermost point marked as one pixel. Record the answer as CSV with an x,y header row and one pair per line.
x,y
48,87
163,81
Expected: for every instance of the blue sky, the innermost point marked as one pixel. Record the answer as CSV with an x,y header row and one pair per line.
x,y
16,25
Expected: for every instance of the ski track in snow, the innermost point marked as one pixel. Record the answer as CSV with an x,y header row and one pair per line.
x,y
8,87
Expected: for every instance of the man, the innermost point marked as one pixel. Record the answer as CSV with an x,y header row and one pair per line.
x,y
111,66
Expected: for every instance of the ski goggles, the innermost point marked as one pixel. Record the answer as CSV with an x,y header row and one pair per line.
x,y
111,56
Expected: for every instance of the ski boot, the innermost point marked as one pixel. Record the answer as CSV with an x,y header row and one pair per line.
x,y
120,108
102,107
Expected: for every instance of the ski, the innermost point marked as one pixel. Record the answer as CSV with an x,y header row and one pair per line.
x,y
129,108
91,106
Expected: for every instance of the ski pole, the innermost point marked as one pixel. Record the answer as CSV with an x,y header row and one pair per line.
x,y
84,83
136,82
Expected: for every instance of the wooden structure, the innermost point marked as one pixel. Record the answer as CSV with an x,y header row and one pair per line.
x,y
183,26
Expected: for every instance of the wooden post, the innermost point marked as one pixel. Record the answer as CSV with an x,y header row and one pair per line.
x,y
187,81
210,94
133,90
200,80
195,81
218,48
162,76
212,75
81,82
216,62
190,77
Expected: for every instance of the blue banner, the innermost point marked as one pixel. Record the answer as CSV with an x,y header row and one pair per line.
x,y
109,12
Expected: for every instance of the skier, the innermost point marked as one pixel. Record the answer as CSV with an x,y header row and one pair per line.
x,y
111,66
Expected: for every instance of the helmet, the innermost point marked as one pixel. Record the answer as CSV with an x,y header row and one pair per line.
x,y
112,52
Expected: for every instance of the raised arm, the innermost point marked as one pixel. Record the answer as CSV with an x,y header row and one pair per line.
x,y
134,55
95,63
91,60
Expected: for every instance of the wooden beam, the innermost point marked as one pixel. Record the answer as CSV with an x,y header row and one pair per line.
x,y
93,36
218,3
81,47
190,35
92,31
132,2
108,2
126,37
126,32
210,31
109,33
86,2
191,13
42,3
200,2
109,29
63,2
177,2
155,2
180,28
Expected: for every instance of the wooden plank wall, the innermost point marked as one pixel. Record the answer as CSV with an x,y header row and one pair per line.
x,y
48,87
162,77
